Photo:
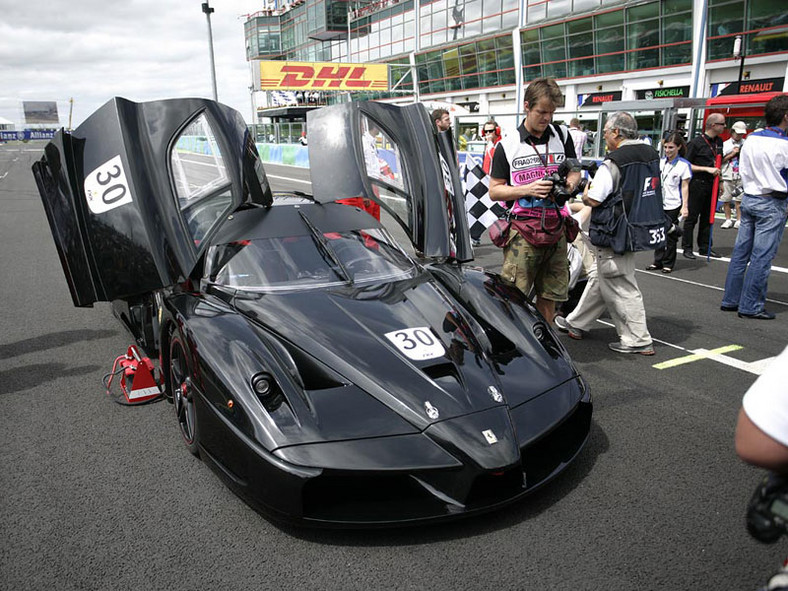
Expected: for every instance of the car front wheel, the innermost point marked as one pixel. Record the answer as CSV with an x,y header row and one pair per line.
x,y
182,388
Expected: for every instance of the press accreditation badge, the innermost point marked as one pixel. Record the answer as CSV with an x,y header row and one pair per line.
x,y
106,187
416,343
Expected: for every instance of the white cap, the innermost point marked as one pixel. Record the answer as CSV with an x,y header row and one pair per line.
x,y
739,127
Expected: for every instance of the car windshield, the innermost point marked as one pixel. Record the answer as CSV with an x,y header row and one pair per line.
x,y
305,262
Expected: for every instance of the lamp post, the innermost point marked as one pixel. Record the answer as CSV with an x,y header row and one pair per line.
x,y
208,10
738,53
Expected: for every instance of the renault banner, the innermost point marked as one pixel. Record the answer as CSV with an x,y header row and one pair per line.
x,y
278,75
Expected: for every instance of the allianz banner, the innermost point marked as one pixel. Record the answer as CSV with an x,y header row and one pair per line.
x,y
27,134
278,75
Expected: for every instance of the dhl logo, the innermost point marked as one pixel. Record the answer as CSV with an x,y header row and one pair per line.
x,y
326,76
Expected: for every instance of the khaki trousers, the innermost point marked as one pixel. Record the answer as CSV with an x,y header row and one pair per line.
x,y
612,286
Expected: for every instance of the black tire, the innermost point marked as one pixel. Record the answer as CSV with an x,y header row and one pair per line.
x,y
183,397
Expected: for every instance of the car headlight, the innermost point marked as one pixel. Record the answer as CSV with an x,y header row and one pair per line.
x,y
267,391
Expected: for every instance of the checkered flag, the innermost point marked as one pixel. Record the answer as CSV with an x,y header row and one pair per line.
x,y
480,209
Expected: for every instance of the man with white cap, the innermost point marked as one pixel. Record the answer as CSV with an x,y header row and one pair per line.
x,y
731,180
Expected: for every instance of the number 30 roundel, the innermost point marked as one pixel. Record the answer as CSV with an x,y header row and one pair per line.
x,y
417,343
106,187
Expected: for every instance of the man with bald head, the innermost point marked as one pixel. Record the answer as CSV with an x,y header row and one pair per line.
x,y
702,154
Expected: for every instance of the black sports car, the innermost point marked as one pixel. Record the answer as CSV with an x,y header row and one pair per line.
x,y
326,374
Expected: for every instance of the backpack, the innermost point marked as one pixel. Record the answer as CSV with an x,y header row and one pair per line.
x,y
631,219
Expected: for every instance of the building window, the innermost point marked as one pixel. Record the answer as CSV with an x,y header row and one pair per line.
x,y
580,44
558,8
642,36
553,51
479,64
758,21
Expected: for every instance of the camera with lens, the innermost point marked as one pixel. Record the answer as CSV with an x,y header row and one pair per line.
x,y
560,192
767,511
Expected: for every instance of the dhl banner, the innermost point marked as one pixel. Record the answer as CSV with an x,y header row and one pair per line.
x,y
278,75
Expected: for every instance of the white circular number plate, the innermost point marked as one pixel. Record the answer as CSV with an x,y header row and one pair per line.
x,y
417,343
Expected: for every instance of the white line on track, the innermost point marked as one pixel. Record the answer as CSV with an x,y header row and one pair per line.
x,y
754,367
714,287
287,178
727,260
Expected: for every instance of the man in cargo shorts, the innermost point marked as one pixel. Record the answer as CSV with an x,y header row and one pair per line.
x,y
520,163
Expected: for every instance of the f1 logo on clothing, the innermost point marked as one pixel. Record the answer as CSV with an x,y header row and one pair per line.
x,y
651,182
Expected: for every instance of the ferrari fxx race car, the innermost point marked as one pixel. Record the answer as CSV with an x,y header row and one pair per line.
x,y
327,373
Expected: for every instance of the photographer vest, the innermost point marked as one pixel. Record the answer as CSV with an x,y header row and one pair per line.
x,y
631,218
527,162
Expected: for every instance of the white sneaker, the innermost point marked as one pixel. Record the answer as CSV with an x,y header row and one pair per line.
x,y
737,224
727,224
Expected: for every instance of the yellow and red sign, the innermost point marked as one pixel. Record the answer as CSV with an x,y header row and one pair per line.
x,y
278,75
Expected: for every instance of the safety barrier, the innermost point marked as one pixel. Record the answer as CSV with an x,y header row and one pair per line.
x,y
292,154
298,155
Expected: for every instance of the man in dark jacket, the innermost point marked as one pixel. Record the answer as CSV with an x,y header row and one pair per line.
x,y
628,181
702,154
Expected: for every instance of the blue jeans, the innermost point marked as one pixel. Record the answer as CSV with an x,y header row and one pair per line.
x,y
760,232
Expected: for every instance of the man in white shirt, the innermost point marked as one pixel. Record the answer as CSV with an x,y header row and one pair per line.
x,y
763,164
731,179
614,287
762,429
762,432
579,137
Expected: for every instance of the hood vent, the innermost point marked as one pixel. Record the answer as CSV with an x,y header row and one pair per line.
x,y
311,373
503,350
444,374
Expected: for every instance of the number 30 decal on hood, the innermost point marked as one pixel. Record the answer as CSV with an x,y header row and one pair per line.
x,y
417,343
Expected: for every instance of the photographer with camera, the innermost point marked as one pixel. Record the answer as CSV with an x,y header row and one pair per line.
x,y
762,440
535,249
627,217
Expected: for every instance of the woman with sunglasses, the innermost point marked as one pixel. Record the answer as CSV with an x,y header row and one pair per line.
x,y
492,135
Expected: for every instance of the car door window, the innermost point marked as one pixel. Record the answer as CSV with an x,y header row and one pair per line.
x,y
200,176
384,167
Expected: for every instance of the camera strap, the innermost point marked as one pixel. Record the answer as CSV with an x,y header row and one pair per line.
x,y
542,157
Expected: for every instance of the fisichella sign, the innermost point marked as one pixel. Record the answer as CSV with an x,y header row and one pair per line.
x,y
660,93
278,75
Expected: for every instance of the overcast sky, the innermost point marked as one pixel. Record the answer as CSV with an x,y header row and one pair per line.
x,y
92,50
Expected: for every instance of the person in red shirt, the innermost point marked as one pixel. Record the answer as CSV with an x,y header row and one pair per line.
x,y
492,134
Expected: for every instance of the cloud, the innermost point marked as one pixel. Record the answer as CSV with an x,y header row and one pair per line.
x,y
92,50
